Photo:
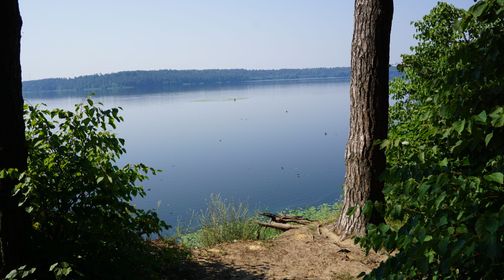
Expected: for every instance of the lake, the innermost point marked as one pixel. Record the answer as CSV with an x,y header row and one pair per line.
x,y
271,146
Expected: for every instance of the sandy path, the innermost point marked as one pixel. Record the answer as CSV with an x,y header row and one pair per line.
x,y
297,254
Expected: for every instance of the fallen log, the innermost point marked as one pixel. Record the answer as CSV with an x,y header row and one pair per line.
x,y
284,222
287,218
279,226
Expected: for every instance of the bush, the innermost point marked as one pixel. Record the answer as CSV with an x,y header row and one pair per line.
x,y
80,201
444,183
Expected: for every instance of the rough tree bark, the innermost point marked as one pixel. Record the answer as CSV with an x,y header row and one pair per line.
x,y
13,154
365,162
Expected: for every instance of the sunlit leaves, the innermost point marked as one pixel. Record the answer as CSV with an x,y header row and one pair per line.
x,y
488,138
79,199
497,117
444,190
496,177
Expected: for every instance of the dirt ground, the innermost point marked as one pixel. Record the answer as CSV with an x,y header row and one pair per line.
x,y
311,252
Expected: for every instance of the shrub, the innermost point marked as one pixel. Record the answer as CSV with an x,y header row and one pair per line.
x,y
80,200
444,183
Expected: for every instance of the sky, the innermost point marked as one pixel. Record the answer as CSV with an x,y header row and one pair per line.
x,y
81,37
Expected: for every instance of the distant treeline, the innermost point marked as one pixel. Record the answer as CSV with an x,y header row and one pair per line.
x,y
174,80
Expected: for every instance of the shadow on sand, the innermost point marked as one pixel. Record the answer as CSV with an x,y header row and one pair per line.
x,y
192,270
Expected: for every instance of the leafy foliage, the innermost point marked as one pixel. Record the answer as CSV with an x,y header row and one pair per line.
x,y
444,183
80,201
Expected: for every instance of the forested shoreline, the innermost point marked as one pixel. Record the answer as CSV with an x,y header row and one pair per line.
x,y
175,80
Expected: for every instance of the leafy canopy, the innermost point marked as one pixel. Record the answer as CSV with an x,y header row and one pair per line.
x,y
445,151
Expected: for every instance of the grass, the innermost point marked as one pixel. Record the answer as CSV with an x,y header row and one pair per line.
x,y
224,221
227,221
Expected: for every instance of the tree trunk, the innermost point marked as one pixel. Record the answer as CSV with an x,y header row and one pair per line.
x,y
365,162
13,154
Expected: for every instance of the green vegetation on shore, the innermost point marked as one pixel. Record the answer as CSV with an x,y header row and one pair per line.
x,y
227,221
445,151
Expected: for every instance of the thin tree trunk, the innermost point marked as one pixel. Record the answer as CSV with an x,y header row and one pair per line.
x,y
13,219
365,162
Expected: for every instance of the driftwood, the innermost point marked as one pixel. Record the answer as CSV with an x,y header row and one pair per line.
x,y
287,218
279,226
284,222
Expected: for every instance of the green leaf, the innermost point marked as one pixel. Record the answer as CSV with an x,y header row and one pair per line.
x,y
443,220
461,229
478,9
440,199
497,112
451,230
396,212
459,126
488,138
481,117
421,157
53,266
423,189
496,177
13,273
443,163
498,117
99,179
384,228
367,209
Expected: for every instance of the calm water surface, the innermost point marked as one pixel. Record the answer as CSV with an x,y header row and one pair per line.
x,y
271,146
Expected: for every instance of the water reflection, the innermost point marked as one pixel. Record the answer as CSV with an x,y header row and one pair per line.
x,y
273,146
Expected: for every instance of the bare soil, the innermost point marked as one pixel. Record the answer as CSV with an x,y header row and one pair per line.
x,y
311,252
